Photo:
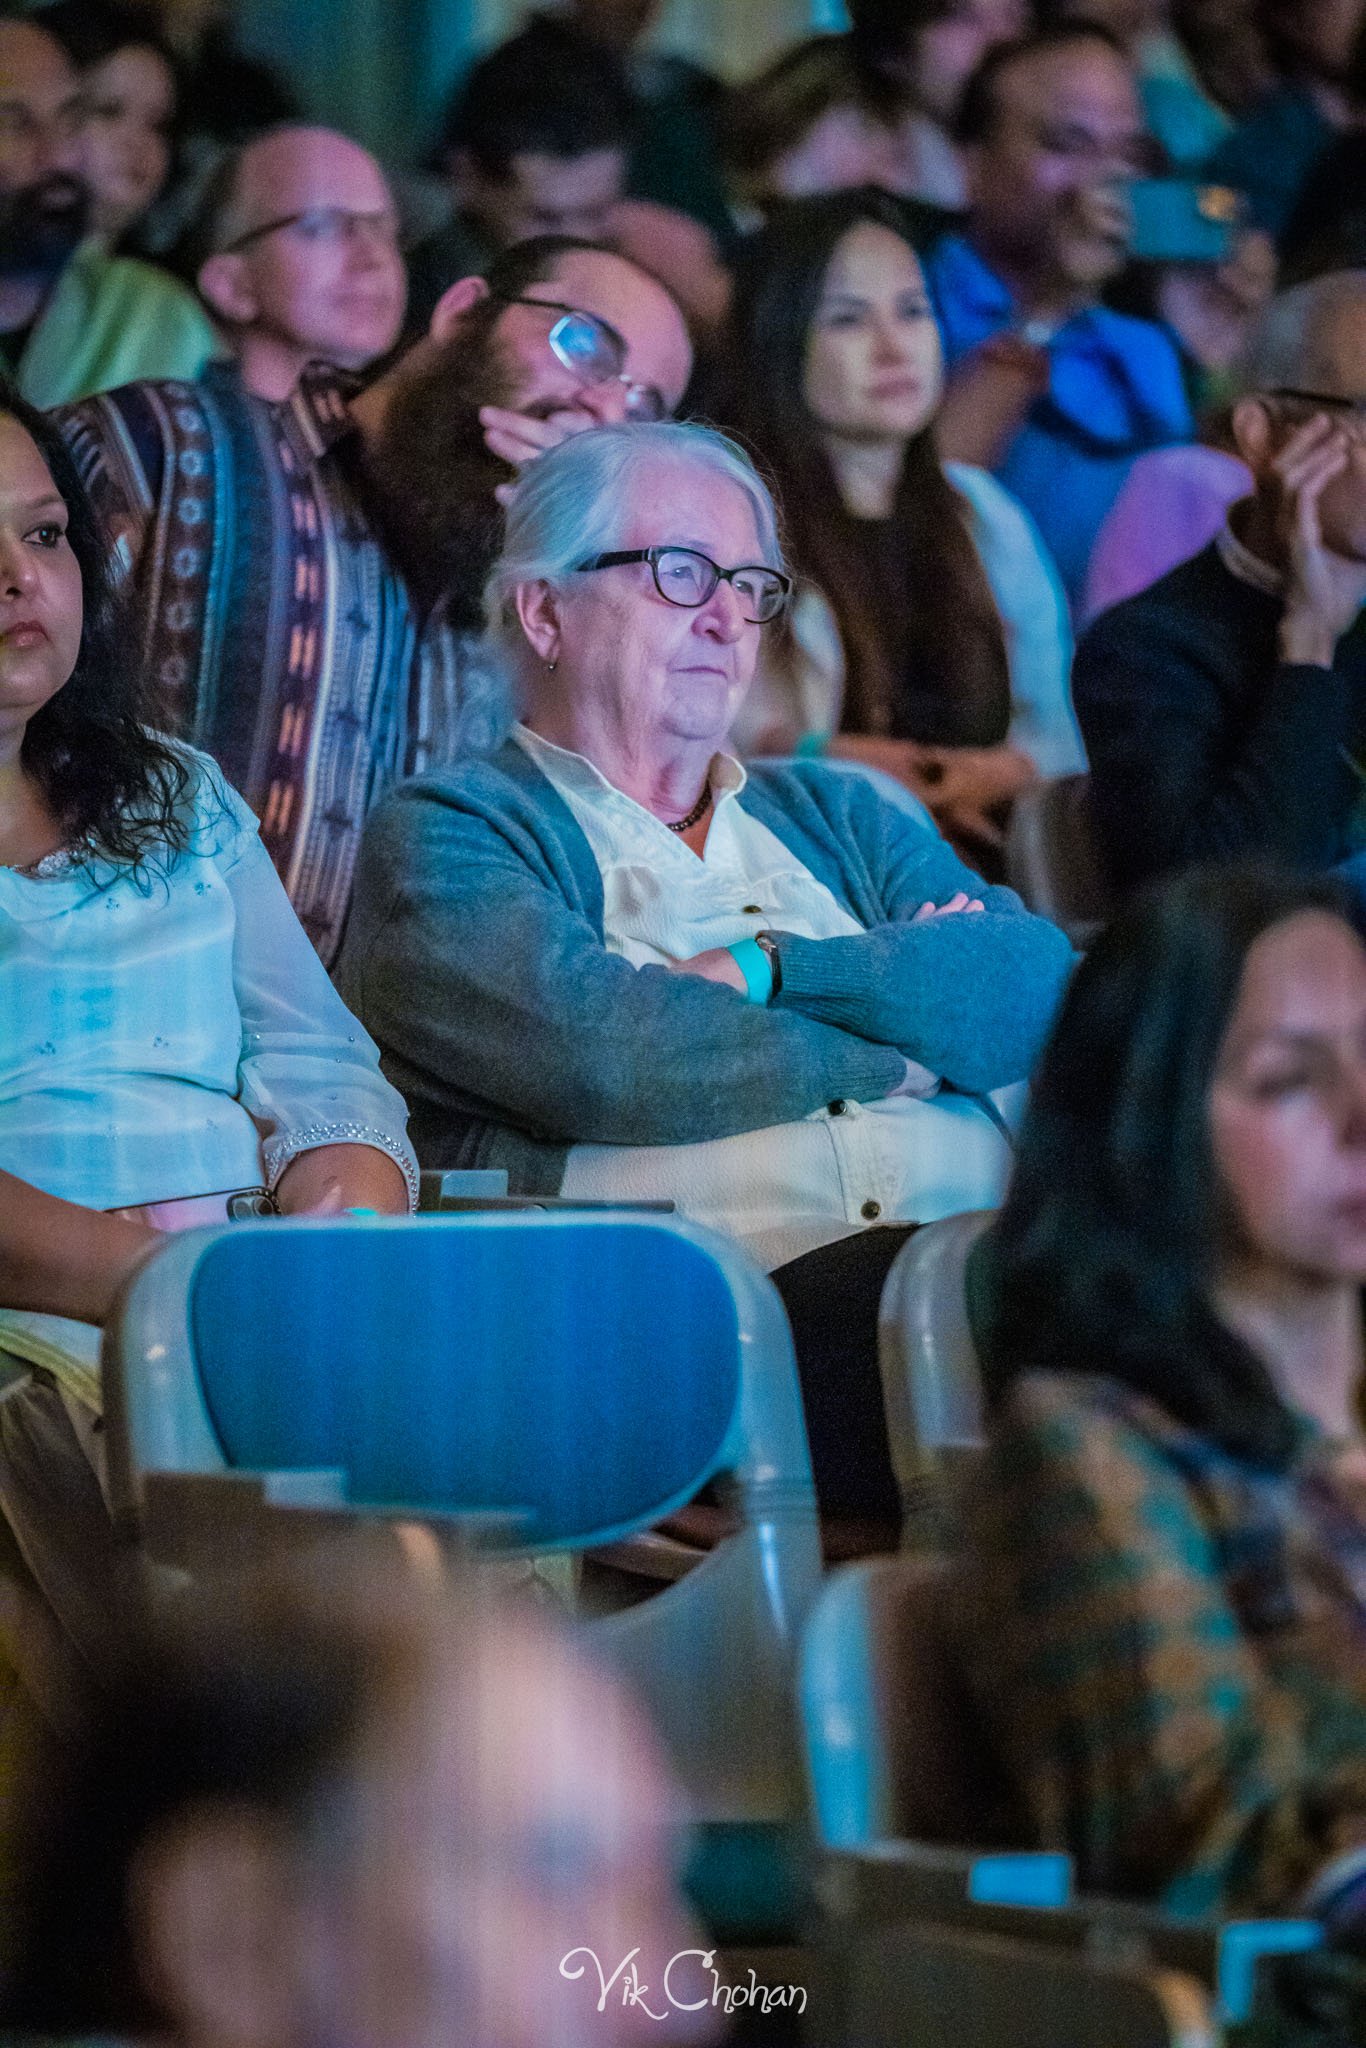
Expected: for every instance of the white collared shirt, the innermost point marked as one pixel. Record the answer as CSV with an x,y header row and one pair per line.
x,y
1247,567
788,1189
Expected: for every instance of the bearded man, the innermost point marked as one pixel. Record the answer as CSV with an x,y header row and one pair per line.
x,y
73,318
306,576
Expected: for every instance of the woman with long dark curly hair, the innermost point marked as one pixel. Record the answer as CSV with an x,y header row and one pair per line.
x,y
930,638
1164,1599
89,773
172,1049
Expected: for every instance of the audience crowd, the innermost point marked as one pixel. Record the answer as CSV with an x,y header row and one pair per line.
x,y
592,658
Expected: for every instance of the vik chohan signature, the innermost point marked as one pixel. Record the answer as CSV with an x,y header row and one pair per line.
x,y
689,1984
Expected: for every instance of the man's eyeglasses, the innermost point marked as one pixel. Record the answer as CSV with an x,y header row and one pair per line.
x,y
330,225
1134,151
592,349
1323,401
684,577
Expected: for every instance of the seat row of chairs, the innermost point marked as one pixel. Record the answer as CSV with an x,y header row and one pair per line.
x,y
1052,859
560,1381
902,1777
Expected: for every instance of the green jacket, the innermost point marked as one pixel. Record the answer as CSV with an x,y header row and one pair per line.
x,y
111,320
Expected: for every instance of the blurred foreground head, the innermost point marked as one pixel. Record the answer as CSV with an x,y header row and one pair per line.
x,y
347,1805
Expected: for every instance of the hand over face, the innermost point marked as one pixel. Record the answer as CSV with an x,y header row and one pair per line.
x,y
519,437
1323,590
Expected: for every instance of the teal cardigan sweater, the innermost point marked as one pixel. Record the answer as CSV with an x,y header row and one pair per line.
x,y
475,957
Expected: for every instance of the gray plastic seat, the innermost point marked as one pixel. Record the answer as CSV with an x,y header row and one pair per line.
x,y
553,1381
931,1377
1051,856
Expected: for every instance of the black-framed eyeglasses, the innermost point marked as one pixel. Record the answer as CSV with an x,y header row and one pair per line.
x,y
1322,401
330,224
685,577
592,349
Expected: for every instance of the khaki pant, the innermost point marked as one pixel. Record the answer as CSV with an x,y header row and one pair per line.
x,y
59,1582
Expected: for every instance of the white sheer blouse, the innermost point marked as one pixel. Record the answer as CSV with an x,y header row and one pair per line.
x,y
175,1033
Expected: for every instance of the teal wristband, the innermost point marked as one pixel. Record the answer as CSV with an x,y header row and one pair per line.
x,y
754,963
811,746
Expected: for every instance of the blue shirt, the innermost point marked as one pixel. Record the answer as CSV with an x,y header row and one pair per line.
x,y
1115,390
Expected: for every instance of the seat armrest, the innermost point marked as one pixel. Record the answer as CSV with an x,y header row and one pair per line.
x,y
900,1881
203,1522
890,1881
443,1188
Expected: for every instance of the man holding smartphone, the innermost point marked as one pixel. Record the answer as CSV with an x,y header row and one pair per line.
x,y
1052,390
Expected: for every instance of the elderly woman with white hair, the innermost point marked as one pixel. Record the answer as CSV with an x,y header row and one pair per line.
x,y
614,962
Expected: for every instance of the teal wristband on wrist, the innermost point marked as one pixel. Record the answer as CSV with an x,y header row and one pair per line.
x,y
753,962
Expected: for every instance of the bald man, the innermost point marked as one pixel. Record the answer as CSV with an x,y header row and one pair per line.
x,y
294,250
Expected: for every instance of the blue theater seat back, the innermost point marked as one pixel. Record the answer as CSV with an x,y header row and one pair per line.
x,y
586,1381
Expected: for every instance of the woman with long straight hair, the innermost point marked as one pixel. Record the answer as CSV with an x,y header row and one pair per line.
x,y
1163,1598
930,635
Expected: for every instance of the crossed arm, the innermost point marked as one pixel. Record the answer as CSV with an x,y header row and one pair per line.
x,y
493,992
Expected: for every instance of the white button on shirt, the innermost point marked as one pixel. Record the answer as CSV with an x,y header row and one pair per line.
x,y
793,1187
